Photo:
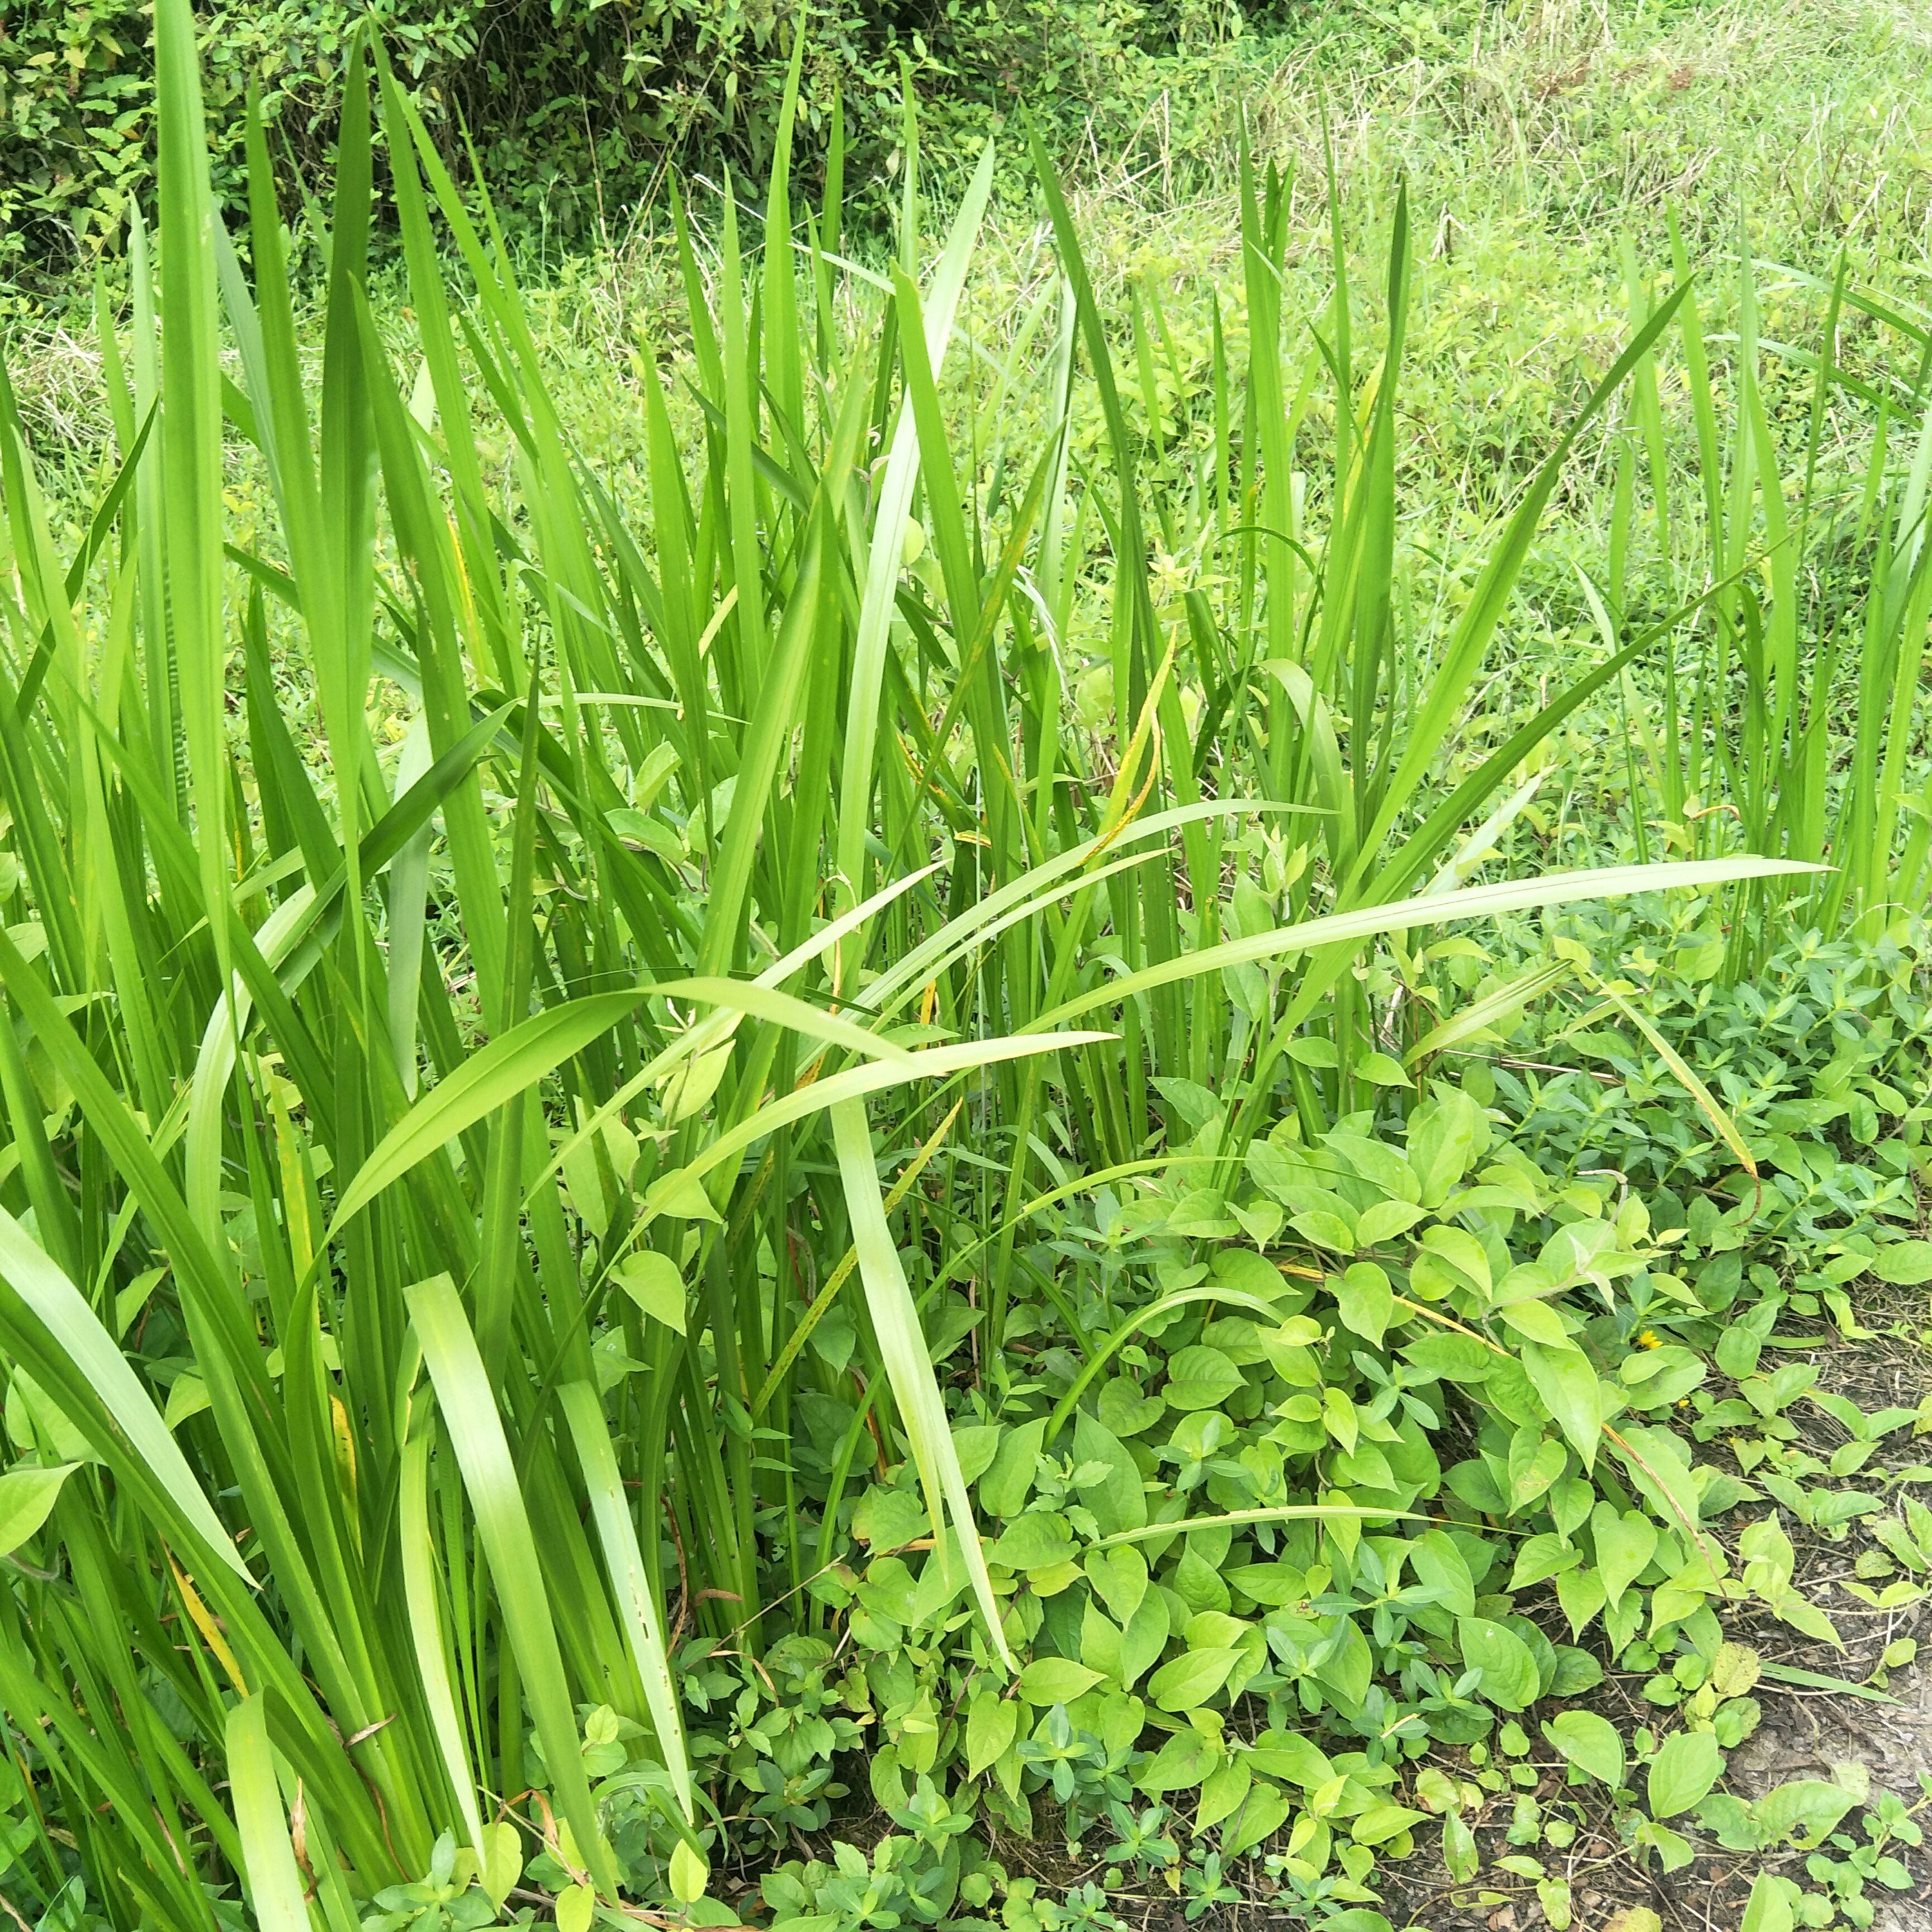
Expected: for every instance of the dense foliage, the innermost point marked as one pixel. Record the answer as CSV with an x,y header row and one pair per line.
x,y
577,110
894,1113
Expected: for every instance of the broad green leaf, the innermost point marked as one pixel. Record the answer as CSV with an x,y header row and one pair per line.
x,y
1591,1742
1009,1479
1037,1540
1380,1823
1192,1678
1687,1765
1538,1323
502,1861
1144,1636
1803,1812
887,1520
1576,1672
975,1443
1108,1478
1658,1464
654,1282
187,1396
1120,1576
1384,1221
992,1723
1446,1134
27,1497
1262,1812
1323,1229
1769,1907
1905,1264
1439,1565
1540,1558
1535,1462
1511,1679
1626,1540
1365,1299
1055,1680
1180,1764
691,1084
1567,1382
1380,1069
1581,1597
1100,1641
1340,1419
1222,1791
1349,1667
1199,1377
1292,1757
1463,1253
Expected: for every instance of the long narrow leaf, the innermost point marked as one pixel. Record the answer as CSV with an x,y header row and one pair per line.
x,y
902,1343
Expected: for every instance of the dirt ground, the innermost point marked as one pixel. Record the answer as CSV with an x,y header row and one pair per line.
x,y
1804,1732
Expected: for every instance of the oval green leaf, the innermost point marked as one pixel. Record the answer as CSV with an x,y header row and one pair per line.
x,y
1591,1743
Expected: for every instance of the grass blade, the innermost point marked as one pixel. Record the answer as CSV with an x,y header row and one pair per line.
x,y
902,1343
267,1856
482,1451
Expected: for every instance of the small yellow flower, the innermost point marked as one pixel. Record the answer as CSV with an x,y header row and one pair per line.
x,y
1647,1339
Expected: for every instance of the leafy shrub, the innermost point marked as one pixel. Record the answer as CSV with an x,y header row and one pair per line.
x,y
576,109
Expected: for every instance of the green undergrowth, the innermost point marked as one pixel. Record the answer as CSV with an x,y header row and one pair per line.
x,y
927,1082
1295,1737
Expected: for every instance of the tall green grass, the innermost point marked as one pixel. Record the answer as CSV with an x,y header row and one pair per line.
x,y
423,1173
1786,719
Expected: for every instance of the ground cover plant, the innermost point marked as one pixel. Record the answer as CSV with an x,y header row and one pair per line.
x,y
881,1191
